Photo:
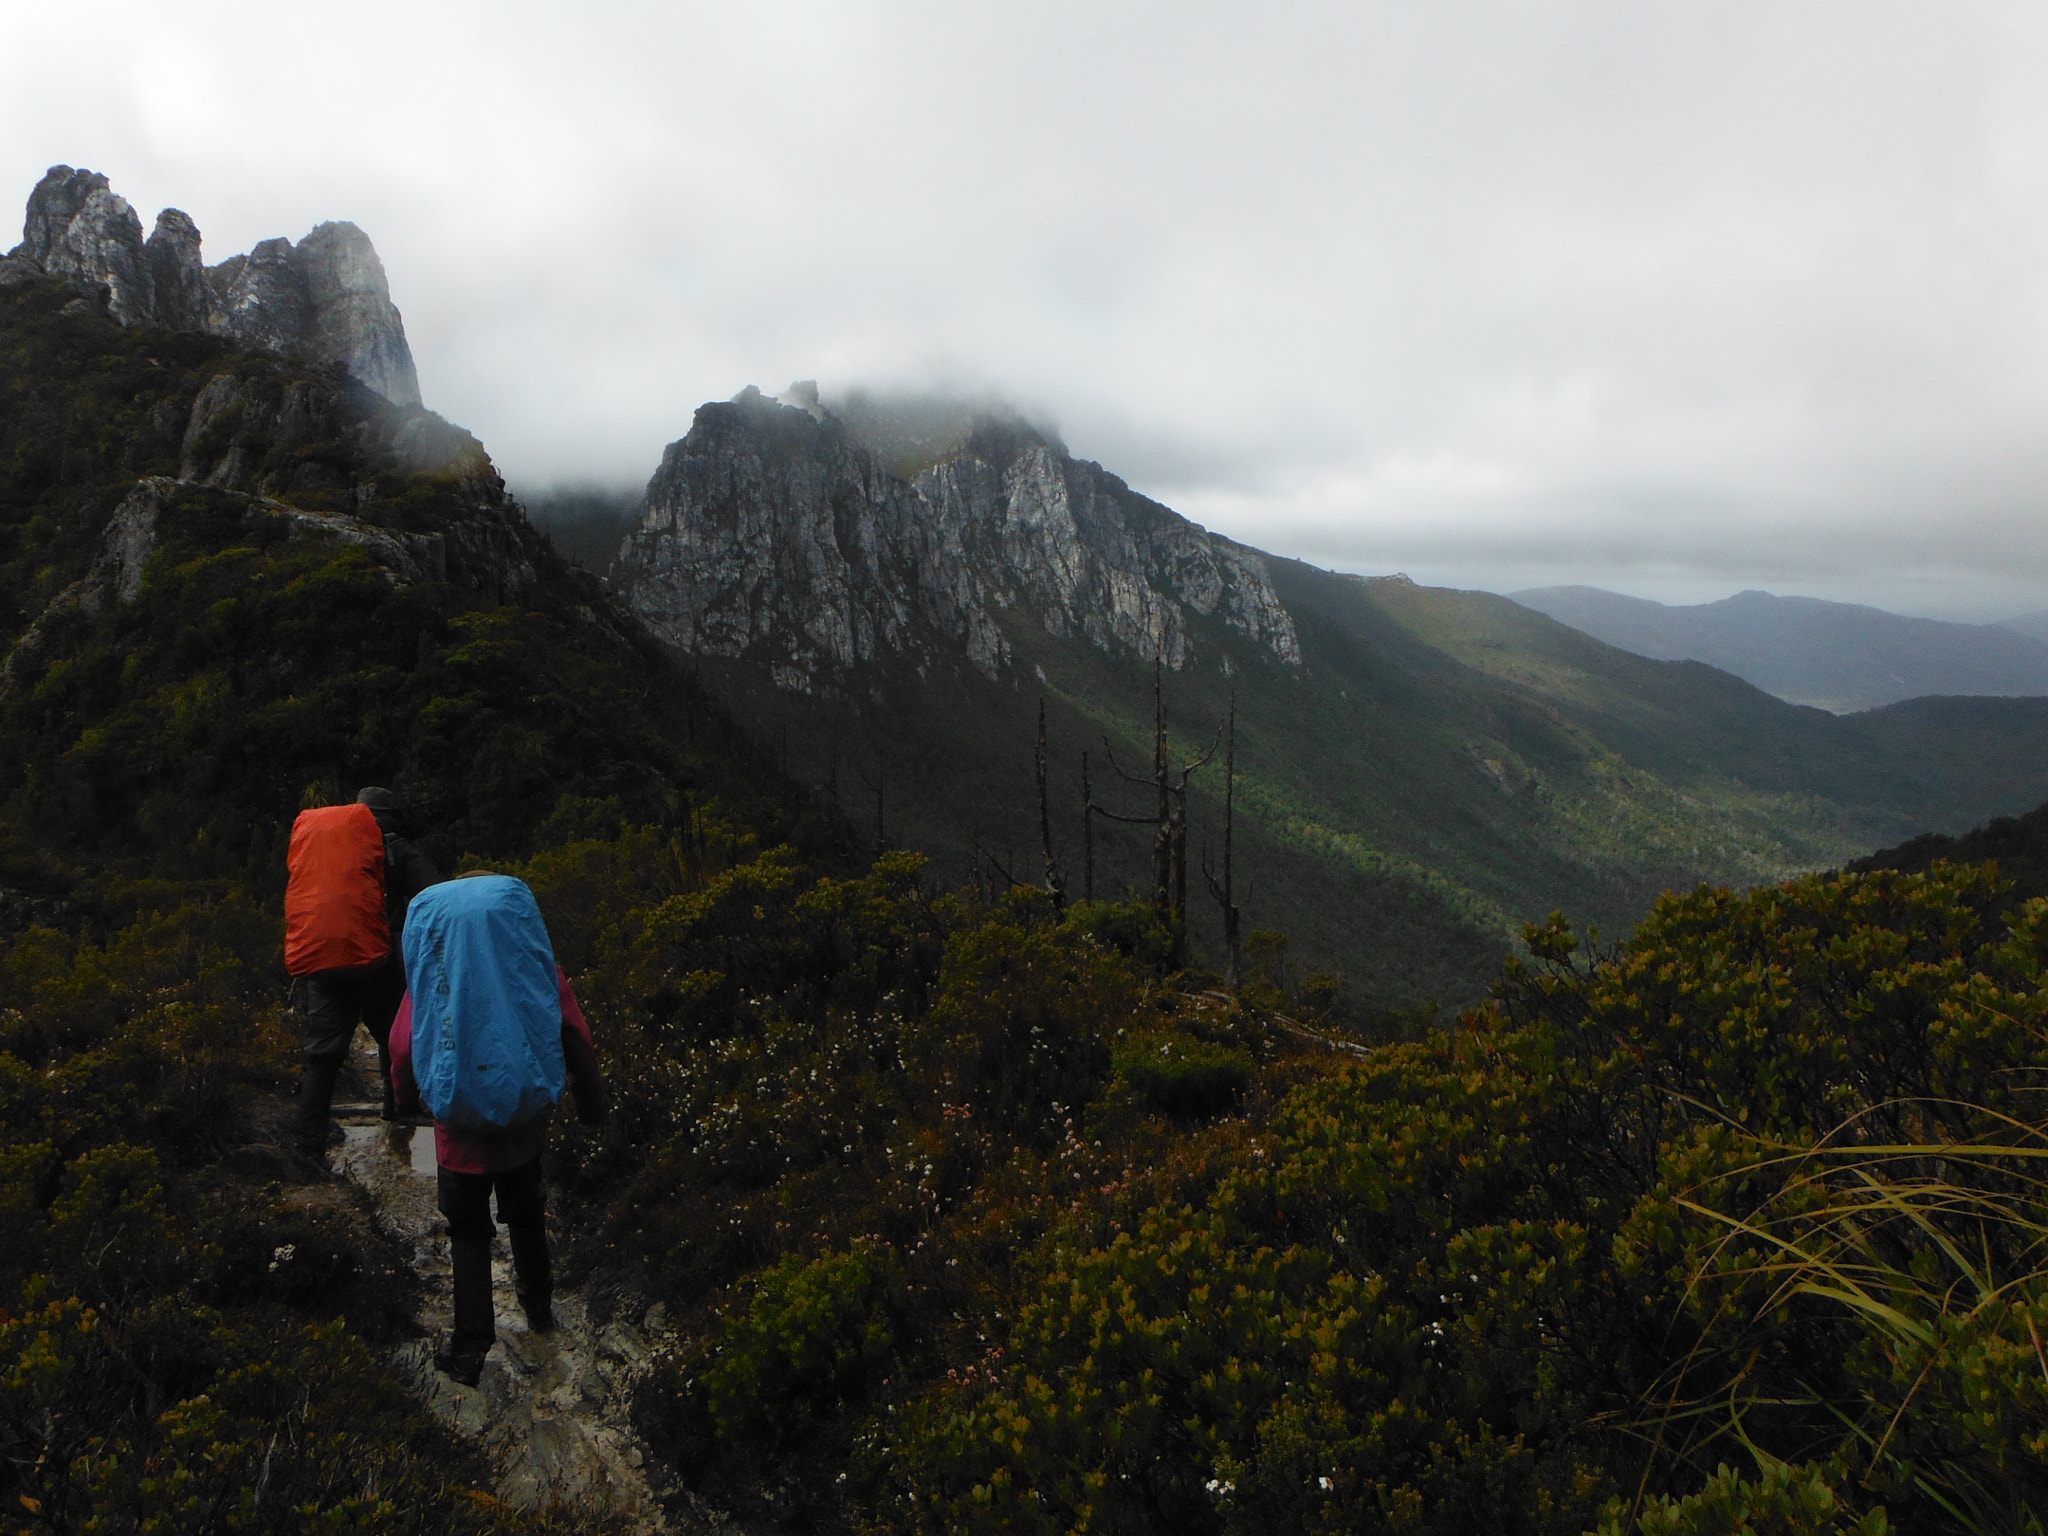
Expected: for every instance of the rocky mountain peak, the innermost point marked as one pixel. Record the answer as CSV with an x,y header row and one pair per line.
x,y
79,227
324,300
784,534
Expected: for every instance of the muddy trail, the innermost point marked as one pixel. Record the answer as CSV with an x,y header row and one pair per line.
x,y
553,1411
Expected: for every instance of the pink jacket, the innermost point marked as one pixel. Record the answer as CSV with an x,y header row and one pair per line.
x,y
502,1151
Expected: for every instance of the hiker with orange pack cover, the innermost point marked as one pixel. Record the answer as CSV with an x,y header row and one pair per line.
x,y
352,878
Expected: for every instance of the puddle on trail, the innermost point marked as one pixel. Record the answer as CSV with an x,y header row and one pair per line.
x,y
423,1162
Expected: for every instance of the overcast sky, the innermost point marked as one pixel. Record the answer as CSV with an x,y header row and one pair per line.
x,y
1671,298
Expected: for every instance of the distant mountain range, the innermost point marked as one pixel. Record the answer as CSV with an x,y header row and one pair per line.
x,y
1841,657
1420,770
2033,625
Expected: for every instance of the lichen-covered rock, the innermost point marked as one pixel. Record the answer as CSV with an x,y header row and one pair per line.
x,y
54,202
324,300
768,534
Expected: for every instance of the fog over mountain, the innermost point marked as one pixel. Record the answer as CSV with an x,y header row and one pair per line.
x,y
1679,299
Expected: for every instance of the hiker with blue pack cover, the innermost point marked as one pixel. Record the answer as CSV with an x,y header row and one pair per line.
x,y
488,1038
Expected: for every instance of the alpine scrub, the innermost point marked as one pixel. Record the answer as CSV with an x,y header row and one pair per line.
x,y
1732,1226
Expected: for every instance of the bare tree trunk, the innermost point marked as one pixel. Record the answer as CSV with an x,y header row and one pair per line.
x,y
1162,840
1170,820
1180,851
1226,895
1055,884
881,805
1087,833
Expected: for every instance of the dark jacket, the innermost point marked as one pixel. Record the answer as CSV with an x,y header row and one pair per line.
x,y
407,872
502,1151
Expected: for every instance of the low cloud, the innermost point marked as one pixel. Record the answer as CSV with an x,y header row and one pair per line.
x,y
1722,294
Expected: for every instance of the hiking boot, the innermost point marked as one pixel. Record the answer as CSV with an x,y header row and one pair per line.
x,y
540,1313
463,1365
310,1149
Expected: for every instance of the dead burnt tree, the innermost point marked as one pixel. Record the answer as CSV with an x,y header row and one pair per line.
x,y
1162,820
1087,833
990,866
1178,843
880,785
1055,882
1223,891
1169,842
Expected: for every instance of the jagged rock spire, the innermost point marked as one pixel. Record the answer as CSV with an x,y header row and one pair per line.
x,y
324,300
77,226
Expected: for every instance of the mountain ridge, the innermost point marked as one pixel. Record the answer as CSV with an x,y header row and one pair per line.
x,y
1841,657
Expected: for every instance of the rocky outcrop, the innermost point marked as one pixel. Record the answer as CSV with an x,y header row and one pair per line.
x,y
183,299
130,538
350,318
324,300
768,534
78,227
298,457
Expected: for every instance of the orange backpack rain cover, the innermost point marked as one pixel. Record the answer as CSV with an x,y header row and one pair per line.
x,y
334,898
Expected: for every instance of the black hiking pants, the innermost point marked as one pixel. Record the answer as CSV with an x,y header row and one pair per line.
x,y
465,1199
331,1004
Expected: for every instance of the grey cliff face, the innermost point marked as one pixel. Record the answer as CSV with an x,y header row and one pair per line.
x,y
184,302
768,535
260,298
350,318
324,300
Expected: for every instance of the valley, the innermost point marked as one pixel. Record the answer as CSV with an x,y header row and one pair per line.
x,y
1422,771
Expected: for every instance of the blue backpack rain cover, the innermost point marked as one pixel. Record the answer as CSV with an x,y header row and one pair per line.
x,y
486,1006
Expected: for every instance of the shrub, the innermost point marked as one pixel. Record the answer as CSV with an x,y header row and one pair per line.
x,y
1183,1077
1781,1500
814,1337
